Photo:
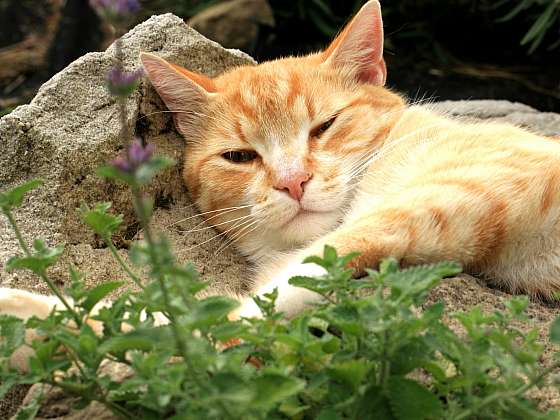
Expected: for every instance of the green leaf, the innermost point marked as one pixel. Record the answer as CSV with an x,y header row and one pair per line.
x,y
99,292
555,331
410,356
311,283
148,170
144,340
99,220
111,172
541,24
350,372
329,254
30,410
347,318
6,384
39,261
210,310
225,332
273,387
388,266
12,331
373,405
227,386
14,197
411,401
328,414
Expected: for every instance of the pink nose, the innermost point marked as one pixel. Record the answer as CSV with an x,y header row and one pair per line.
x,y
293,184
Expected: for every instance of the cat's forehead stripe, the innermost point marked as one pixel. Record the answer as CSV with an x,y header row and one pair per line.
x,y
295,88
239,132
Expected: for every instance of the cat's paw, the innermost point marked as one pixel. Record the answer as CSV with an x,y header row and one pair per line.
x,y
24,305
291,300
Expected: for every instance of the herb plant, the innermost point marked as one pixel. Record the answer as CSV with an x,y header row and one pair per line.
x,y
369,350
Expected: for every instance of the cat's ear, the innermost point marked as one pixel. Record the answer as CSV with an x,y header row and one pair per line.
x,y
359,47
185,93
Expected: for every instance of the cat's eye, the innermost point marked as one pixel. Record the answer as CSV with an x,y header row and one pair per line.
x,y
240,156
320,129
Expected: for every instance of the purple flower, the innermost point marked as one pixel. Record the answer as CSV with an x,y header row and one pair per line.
x,y
121,83
115,10
136,155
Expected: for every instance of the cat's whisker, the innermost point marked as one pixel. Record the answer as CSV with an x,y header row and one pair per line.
x,y
238,235
215,225
225,210
208,219
224,233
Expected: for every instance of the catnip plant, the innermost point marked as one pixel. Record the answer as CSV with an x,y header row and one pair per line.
x,y
371,349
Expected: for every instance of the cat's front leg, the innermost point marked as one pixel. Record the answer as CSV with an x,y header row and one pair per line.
x,y
24,305
291,300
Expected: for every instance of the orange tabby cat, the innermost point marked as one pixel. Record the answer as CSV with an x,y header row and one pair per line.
x,y
300,152
308,151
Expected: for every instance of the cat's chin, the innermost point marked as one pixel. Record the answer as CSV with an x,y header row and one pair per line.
x,y
308,225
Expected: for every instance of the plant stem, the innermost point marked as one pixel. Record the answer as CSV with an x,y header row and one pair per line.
x,y
181,343
121,100
121,262
42,273
385,369
15,227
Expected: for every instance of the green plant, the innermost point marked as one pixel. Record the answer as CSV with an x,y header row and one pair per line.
x,y
544,15
366,351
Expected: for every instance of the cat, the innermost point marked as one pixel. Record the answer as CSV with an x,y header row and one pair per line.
x,y
296,153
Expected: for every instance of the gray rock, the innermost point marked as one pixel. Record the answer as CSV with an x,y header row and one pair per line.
x,y
71,128
547,123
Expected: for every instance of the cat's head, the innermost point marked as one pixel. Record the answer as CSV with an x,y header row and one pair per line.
x,y
274,150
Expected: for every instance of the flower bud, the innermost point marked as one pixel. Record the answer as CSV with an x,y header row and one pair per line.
x,y
136,155
121,83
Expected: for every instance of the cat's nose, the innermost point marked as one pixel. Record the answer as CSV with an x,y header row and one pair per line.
x,y
293,184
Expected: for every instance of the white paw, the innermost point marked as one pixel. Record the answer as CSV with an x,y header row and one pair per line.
x,y
24,305
291,300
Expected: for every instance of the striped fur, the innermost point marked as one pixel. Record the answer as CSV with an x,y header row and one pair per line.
x,y
388,179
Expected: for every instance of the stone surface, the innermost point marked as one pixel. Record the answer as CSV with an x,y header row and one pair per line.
x,y
234,23
71,127
547,123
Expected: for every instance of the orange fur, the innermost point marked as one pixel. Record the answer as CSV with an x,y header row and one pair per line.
x,y
387,179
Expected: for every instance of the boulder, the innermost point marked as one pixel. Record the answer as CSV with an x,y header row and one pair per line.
x,y
71,127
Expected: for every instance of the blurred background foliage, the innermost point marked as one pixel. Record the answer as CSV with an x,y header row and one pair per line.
x,y
441,49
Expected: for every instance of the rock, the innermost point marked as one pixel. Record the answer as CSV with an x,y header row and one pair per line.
x,y
234,23
56,404
71,128
547,123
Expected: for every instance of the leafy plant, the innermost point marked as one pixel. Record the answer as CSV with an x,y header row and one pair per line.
x,y
370,349
544,15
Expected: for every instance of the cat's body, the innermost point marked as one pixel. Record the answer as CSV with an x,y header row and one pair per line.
x,y
293,154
